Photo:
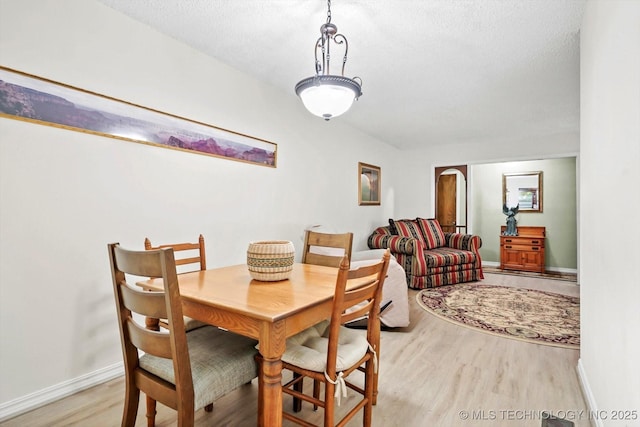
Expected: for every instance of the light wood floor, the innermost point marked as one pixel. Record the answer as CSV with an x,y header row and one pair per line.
x,y
432,373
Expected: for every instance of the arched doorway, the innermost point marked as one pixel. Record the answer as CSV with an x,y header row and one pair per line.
x,y
451,198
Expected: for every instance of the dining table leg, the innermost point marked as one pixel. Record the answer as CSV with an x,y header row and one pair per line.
x,y
272,345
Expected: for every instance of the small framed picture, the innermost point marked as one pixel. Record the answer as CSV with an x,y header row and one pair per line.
x,y
368,184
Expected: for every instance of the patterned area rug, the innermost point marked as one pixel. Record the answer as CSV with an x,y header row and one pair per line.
x,y
523,314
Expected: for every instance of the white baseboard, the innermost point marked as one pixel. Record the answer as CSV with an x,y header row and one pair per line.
x,y
563,270
42,397
556,269
592,407
490,264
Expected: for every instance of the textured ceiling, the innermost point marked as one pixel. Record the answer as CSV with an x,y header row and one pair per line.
x,y
434,71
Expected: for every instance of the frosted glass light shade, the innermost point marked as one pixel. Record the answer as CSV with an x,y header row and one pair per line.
x,y
328,96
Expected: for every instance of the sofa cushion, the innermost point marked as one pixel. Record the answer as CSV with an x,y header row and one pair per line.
x,y
432,232
446,256
392,227
382,238
408,228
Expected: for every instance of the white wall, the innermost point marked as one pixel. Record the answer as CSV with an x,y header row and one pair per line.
x,y
610,176
416,187
64,195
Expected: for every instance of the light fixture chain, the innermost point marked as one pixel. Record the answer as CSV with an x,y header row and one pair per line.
x,y
326,56
328,11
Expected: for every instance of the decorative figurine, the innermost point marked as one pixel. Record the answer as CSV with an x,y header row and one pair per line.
x,y
511,219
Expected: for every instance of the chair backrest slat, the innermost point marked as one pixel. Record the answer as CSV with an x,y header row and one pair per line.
x,y
152,342
150,304
185,261
357,313
321,242
138,264
180,246
363,293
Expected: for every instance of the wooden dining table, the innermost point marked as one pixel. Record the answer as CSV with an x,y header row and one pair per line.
x,y
270,312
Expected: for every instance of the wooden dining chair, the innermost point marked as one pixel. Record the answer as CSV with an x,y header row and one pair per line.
x,y
193,256
324,248
185,371
329,352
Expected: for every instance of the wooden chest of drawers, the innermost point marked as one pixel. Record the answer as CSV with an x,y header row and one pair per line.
x,y
524,252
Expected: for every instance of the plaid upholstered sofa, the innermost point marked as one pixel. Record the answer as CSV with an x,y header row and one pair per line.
x,y
429,256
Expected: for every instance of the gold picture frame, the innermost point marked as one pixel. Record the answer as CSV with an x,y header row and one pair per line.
x,y
34,99
523,189
369,184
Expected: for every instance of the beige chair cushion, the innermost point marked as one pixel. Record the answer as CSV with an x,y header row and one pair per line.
x,y
220,362
308,349
191,324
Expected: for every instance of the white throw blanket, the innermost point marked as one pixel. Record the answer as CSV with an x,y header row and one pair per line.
x,y
395,288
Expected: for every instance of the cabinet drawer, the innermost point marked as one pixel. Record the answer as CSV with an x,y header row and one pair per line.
x,y
528,241
519,247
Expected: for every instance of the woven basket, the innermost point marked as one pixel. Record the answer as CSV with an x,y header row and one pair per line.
x,y
270,260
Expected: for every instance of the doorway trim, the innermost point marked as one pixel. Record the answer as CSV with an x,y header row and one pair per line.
x,y
438,171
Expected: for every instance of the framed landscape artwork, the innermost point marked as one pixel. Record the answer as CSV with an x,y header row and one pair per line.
x,y
37,100
368,184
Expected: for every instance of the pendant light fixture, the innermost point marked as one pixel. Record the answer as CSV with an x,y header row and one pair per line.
x,y
326,95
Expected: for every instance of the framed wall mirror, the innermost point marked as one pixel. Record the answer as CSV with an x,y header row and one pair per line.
x,y
523,189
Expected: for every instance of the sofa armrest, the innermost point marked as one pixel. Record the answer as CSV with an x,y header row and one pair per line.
x,y
380,239
466,242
